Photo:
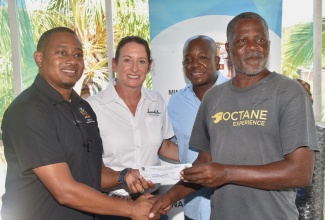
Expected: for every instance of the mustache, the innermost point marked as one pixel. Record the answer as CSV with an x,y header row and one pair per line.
x,y
254,54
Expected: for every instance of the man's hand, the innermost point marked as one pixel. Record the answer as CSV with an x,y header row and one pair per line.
x,y
307,88
161,205
141,208
136,183
207,174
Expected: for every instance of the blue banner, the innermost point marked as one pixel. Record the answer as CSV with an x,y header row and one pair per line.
x,y
165,13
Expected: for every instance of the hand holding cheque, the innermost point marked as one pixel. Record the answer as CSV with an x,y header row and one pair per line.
x,y
166,174
203,174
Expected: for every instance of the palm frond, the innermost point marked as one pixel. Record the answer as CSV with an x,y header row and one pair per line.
x,y
298,48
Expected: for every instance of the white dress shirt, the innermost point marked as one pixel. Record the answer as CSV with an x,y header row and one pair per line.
x,y
128,140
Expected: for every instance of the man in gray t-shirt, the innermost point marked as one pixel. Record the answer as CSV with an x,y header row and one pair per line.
x,y
256,135
262,124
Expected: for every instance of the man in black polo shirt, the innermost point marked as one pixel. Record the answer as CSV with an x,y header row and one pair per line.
x,y
53,147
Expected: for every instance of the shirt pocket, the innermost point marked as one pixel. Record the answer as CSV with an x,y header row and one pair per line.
x,y
154,127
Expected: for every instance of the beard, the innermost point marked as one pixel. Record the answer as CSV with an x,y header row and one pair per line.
x,y
246,68
68,85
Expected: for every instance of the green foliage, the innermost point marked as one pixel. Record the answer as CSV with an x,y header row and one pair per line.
x,y
27,48
297,44
297,51
87,18
131,17
6,76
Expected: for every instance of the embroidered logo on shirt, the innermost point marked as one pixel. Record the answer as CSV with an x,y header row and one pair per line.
x,y
153,112
240,118
86,115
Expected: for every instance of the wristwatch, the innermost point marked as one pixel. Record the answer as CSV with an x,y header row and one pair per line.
x,y
122,175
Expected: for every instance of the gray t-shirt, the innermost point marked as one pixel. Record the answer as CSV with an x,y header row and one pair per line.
x,y
256,125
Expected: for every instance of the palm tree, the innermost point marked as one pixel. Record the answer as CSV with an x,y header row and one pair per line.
x,y
132,18
87,19
6,85
29,69
298,48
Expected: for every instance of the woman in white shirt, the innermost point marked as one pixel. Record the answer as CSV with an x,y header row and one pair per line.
x,y
133,121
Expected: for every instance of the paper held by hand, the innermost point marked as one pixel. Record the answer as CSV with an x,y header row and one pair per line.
x,y
165,174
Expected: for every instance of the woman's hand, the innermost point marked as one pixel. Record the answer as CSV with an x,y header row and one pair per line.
x,y
136,183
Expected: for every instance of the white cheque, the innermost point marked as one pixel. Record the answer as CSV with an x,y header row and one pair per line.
x,y
165,174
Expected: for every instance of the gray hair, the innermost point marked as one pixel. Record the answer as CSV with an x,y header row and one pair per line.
x,y
242,16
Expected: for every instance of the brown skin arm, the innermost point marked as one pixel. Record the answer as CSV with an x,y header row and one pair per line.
x,y
169,150
163,202
133,179
68,192
109,177
295,170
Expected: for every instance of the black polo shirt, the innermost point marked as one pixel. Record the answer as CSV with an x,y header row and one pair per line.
x,y
41,128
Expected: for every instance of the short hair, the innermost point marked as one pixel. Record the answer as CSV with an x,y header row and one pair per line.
x,y
135,39
45,37
242,16
201,37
